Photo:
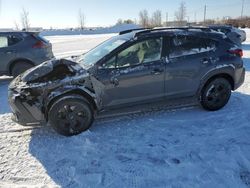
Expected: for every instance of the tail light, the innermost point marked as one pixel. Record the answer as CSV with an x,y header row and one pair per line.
x,y
237,52
39,44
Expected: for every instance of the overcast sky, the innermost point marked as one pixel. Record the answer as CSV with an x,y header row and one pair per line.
x,y
63,13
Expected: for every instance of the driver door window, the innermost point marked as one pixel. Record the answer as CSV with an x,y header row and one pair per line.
x,y
142,52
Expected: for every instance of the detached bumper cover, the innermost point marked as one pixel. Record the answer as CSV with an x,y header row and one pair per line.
x,y
23,112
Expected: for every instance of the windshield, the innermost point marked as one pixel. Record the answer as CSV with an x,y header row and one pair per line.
x,y
100,51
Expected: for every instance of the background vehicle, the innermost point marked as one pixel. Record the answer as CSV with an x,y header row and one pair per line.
x,y
235,35
20,51
136,67
242,33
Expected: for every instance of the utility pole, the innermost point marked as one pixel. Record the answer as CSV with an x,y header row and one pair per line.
x,y
242,9
205,13
195,20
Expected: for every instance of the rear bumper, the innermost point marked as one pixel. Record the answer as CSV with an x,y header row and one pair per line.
x,y
239,77
243,38
23,111
42,55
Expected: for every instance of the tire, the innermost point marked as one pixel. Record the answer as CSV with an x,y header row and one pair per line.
x,y
216,94
71,115
19,68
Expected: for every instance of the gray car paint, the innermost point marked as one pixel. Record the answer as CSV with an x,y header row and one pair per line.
x,y
132,84
137,84
22,51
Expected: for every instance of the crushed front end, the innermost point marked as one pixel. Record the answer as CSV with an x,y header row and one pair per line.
x,y
30,94
26,103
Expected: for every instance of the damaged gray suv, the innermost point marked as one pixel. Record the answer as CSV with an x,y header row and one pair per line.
x,y
136,67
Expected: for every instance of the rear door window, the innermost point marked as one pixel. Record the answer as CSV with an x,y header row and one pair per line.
x,y
10,40
223,30
190,45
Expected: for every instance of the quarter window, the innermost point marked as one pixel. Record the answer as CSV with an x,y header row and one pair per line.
x,y
189,45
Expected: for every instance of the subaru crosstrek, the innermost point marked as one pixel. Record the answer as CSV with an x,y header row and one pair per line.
x,y
135,67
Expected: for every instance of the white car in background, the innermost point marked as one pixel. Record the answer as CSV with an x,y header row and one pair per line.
x,y
237,36
242,34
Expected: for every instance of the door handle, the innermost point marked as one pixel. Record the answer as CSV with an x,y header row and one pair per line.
x,y
114,81
206,60
9,52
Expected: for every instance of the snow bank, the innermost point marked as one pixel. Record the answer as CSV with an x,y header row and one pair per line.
x,y
69,45
113,29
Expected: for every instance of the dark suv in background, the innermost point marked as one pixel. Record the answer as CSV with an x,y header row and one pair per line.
x,y
20,51
237,36
136,67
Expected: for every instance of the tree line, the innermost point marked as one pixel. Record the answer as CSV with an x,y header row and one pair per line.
x,y
156,19
144,18
147,20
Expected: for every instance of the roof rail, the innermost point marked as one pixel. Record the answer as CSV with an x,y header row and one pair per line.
x,y
170,28
130,30
184,28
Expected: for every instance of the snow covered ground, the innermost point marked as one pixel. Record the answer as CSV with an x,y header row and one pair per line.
x,y
65,46
179,148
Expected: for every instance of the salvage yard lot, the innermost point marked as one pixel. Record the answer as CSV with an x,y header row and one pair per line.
x,y
154,149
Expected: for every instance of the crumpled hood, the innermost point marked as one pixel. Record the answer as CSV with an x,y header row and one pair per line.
x,y
38,71
52,69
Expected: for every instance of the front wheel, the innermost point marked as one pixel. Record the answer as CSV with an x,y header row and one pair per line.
x,y
216,94
70,115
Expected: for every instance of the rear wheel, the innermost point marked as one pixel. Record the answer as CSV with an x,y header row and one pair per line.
x,y
19,68
216,94
71,115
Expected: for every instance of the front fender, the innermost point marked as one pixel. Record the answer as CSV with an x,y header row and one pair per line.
x,y
60,92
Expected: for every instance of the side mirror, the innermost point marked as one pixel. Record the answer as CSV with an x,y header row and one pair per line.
x,y
100,67
104,66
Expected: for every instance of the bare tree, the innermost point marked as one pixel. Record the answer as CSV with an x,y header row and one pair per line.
x,y
119,21
25,19
180,15
81,19
128,21
135,21
156,20
144,18
16,25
